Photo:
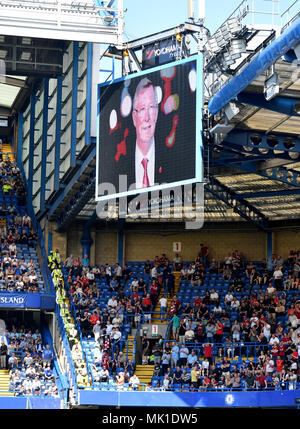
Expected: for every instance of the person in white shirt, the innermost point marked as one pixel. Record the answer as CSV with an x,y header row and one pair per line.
x,y
90,276
163,302
109,328
97,330
228,298
235,303
134,285
118,271
115,335
214,297
270,289
36,384
27,383
154,273
274,340
112,302
278,275
144,116
104,375
270,366
134,382
267,331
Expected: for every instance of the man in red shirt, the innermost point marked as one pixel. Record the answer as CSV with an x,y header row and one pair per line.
x,y
147,304
281,349
153,291
275,351
203,254
279,365
261,381
208,351
94,317
219,331
197,301
175,302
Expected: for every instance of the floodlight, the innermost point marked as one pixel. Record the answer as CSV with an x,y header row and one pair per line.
x,y
238,46
26,41
271,86
26,56
228,59
231,110
3,54
234,25
108,18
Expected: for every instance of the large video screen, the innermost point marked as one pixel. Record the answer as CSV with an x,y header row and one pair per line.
x,y
149,130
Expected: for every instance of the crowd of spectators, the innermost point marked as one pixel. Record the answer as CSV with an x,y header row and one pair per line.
x,y
253,318
16,273
252,312
29,362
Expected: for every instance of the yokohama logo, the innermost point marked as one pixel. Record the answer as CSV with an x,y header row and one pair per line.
x,y
160,51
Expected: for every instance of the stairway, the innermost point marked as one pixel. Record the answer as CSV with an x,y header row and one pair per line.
x,y
129,348
4,383
7,149
156,315
144,373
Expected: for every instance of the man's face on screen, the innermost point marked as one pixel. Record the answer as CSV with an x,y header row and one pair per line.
x,y
145,115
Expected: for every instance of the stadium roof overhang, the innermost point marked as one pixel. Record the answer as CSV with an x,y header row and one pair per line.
x,y
255,141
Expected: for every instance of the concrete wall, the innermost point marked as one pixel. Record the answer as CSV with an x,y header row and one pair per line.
x,y
143,242
141,246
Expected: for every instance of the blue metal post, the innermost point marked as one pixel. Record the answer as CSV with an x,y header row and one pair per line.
x,y
269,246
44,144
49,242
86,240
121,242
20,139
88,106
57,132
31,144
74,104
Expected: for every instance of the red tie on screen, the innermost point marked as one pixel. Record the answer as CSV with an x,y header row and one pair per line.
x,y
145,178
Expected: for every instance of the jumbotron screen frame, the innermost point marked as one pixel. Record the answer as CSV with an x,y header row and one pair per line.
x,y
116,126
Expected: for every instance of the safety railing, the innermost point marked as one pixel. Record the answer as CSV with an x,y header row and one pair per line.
x,y
281,385
112,385
290,15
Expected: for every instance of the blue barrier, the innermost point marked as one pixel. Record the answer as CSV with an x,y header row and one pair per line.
x,y
25,402
186,399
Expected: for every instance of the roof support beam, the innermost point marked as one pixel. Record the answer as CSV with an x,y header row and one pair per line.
x,y
64,194
269,155
279,104
269,194
279,173
259,140
239,205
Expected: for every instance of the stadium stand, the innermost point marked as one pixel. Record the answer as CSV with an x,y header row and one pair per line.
x,y
228,328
